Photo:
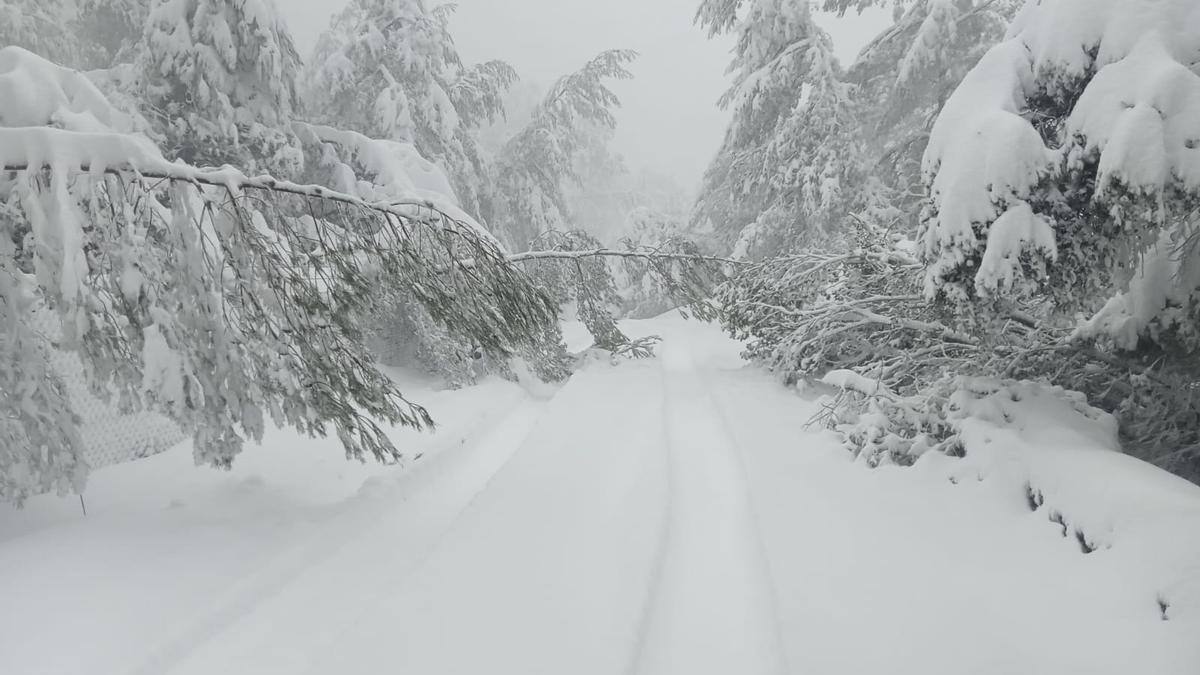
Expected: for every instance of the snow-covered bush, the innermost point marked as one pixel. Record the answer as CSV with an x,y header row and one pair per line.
x,y
862,312
806,314
881,426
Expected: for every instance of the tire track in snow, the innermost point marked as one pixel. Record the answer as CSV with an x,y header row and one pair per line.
x,y
739,454
240,632
548,570
713,609
663,526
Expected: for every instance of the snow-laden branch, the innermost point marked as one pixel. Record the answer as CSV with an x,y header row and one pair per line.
x,y
270,280
617,253
235,181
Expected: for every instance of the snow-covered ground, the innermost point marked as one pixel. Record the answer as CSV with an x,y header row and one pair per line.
x,y
661,517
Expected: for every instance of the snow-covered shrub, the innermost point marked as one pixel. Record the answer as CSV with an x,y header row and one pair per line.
x,y
806,314
881,426
863,313
1152,393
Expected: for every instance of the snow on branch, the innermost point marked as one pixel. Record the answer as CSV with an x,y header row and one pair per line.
x,y
222,299
616,253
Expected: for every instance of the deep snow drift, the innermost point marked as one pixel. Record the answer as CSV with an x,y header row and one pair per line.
x,y
666,516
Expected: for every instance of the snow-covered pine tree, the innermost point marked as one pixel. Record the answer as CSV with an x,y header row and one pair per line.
x,y
900,81
114,26
597,198
217,79
399,104
401,330
1067,166
220,300
389,69
46,29
783,174
1065,179
537,164
83,34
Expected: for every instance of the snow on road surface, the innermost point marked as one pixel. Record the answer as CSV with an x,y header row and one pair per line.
x,y
668,516
712,607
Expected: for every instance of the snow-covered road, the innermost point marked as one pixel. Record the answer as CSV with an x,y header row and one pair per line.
x,y
664,517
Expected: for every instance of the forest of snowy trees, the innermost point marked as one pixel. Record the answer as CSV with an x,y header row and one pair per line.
x,y
995,194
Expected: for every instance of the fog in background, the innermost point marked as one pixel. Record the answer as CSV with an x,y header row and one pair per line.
x,y
669,122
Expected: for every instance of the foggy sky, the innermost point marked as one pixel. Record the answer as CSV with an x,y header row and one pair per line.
x,y
669,121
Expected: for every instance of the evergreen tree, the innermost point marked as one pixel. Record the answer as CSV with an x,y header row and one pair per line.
x,y
45,28
389,69
1075,182
219,300
538,164
218,81
901,80
114,27
782,175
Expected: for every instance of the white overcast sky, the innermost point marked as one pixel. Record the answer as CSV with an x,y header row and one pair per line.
x,y
669,121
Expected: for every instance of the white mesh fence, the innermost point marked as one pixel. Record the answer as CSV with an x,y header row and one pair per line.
x,y
109,437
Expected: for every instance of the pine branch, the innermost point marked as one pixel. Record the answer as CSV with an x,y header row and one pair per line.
x,y
228,178
614,253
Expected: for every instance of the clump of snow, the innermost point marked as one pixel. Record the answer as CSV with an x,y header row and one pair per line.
x,y
35,92
398,168
1018,229
1141,114
984,158
1164,281
850,380
54,116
